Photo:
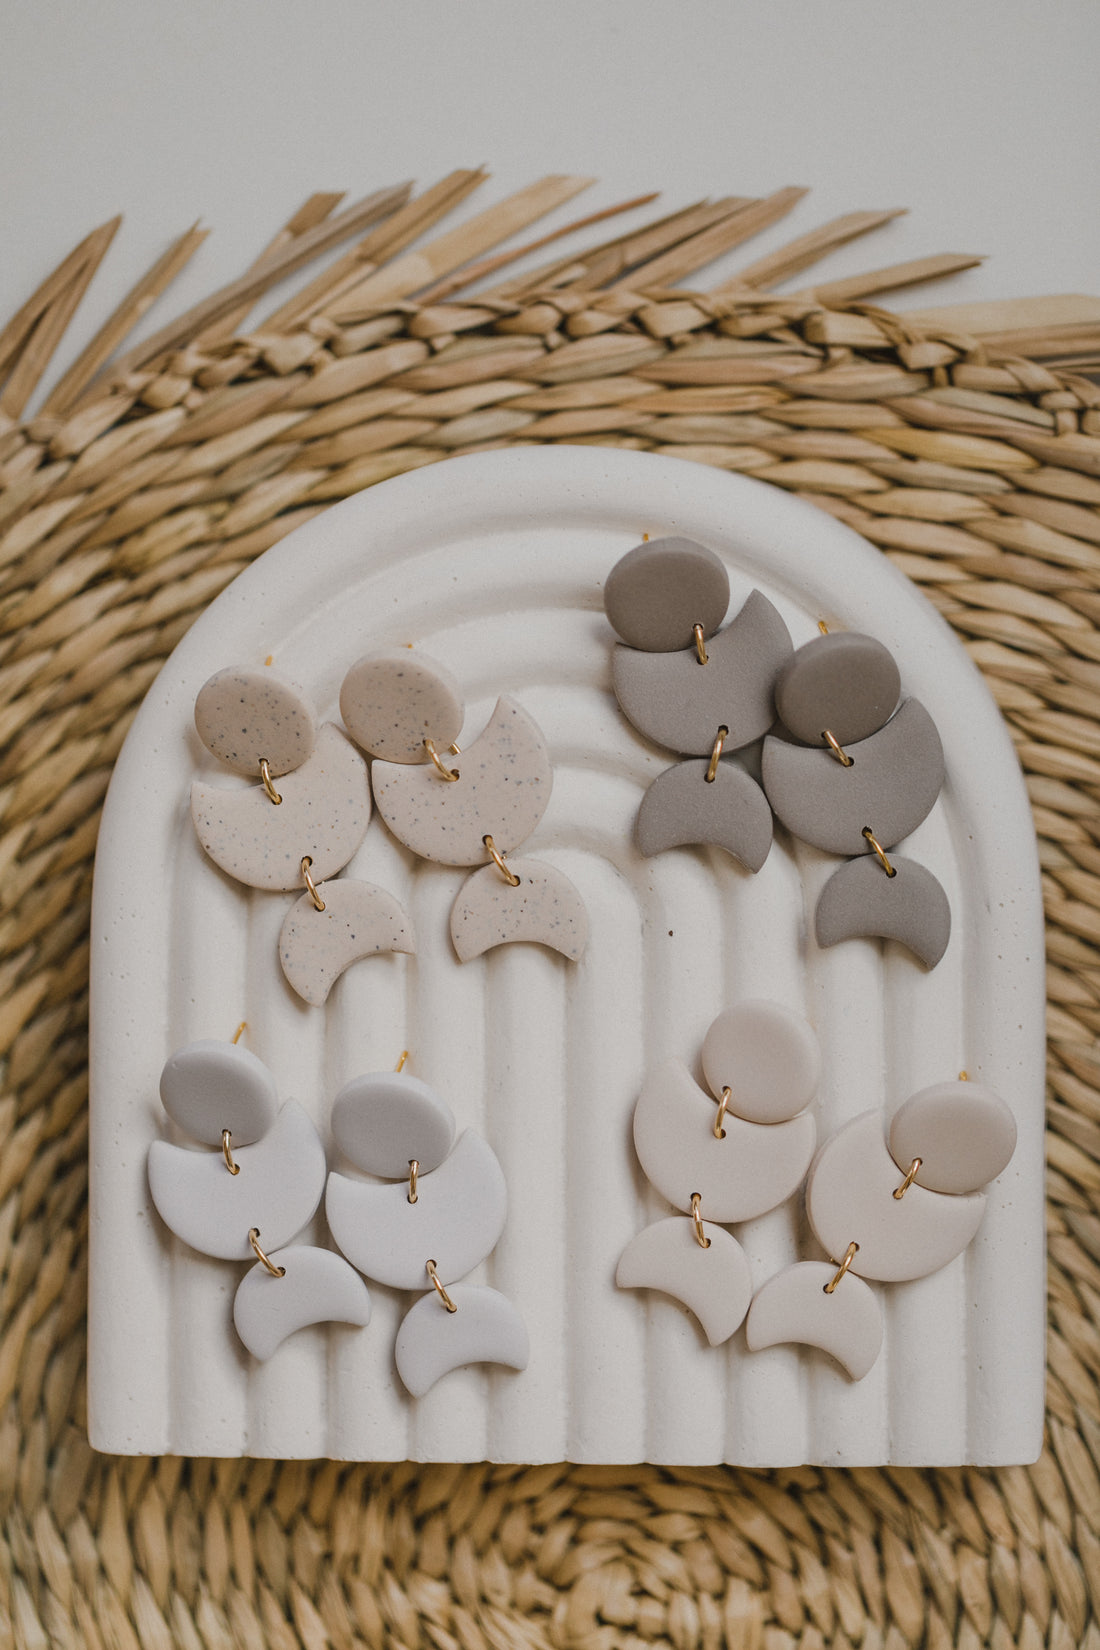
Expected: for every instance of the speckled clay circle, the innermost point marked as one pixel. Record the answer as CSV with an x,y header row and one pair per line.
x,y
845,682
385,1119
247,716
963,1133
210,1086
660,590
391,702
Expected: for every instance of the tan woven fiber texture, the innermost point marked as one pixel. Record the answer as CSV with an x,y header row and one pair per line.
x,y
965,444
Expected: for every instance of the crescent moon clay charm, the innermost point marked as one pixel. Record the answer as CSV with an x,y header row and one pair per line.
x,y
860,901
484,1328
793,1307
681,809
545,909
316,1287
359,920
715,1283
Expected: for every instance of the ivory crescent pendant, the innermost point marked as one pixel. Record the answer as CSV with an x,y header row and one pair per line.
x,y
502,791
359,920
545,909
316,1287
484,1328
715,1283
793,1307
323,814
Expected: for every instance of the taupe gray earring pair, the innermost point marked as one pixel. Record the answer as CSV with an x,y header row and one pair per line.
x,y
845,766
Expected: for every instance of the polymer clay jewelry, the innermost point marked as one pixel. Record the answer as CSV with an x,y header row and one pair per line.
x,y
441,1216
469,807
874,775
889,1208
697,690
722,1163
250,1197
297,833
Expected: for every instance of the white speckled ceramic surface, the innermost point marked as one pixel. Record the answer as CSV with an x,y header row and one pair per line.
x,y
494,565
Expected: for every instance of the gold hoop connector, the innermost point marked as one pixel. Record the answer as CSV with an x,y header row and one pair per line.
x,y
400,1066
909,1179
439,1289
823,627
240,1031
715,755
701,1237
841,755
310,884
414,1170
265,775
869,836
849,1256
700,643
498,860
254,1240
227,1152
441,768
723,1105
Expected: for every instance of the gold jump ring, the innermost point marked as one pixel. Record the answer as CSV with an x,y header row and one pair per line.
x,y
701,1237
700,643
310,884
909,1178
849,1256
227,1153
254,1240
719,742
449,774
842,756
439,1289
719,1131
414,1170
265,775
498,860
880,851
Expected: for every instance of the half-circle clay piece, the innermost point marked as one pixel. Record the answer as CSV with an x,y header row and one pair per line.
x,y
456,1221
895,778
793,1307
502,791
391,702
323,815
844,682
246,716
715,1283
484,1328
860,901
850,1198
277,1190
680,704
317,1287
545,909
359,920
680,809
767,1056
383,1120
755,1168
963,1133
210,1086
658,592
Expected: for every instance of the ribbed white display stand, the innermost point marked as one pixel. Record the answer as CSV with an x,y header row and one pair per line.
x,y
494,564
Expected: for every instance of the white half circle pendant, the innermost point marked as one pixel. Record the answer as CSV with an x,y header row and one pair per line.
x,y
359,920
322,814
316,1286
484,1328
794,1307
715,1283
545,909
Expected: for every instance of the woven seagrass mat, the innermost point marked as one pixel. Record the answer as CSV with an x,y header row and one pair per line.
x,y
965,444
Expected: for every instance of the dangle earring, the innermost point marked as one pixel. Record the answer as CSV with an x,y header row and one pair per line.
x,y
250,1197
887,1208
441,1216
468,807
726,1165
697,690
298,827
874,776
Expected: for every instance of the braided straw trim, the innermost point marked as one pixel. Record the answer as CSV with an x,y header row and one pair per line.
x,y
966,445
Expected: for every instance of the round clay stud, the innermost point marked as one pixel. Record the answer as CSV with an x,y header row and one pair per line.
x,y
767,1055
844,682
384,1120
210,1086
658,592
963,1133
246,716
391,702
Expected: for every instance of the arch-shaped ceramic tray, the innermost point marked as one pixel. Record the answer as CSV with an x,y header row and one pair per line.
x,y
494,563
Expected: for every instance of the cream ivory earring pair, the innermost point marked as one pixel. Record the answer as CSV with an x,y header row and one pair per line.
x,y
306,818
251,1197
